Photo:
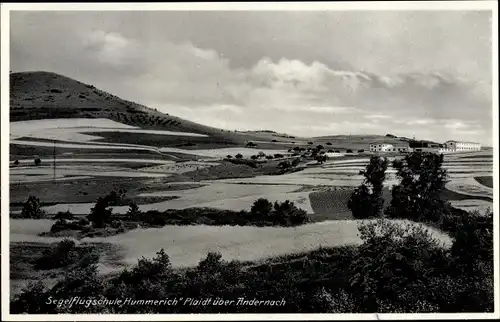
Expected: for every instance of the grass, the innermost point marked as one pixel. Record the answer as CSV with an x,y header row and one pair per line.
x,y
88,190
485,181
332,204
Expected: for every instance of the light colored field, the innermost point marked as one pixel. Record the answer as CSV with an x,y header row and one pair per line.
x,y
186,245
75,171
94,146
62,160
73,129
469,186
217,195
472,204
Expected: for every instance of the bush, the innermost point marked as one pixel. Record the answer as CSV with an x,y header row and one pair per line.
x,y
251,144
229,156
348,151
328,143
269,157
38,161
16,162
337,151
279,155
295,162
32,208
67,215
284,165
238,156
261,209
261,154
61,255
254,157
319,147
133,212
310,142
361,150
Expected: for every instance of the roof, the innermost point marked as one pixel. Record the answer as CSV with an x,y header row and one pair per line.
x,y
462,142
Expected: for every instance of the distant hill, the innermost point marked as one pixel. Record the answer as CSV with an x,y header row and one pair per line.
x,y
46,95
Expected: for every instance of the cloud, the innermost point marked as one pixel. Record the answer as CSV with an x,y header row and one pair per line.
x,y
300,91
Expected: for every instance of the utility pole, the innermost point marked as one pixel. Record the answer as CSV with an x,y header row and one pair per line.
x,y
54,163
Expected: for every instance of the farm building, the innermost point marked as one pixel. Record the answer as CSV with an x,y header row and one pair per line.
x,y
462,146
386,147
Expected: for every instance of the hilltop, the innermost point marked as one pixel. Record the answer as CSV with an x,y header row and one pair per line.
x,y
46,95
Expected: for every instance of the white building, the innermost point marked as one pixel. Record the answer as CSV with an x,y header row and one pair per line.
x,y
462,146
386,147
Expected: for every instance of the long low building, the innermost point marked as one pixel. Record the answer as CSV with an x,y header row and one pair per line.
x,y
462,146
387,147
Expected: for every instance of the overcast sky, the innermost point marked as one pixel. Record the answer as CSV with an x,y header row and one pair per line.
x,y
422,73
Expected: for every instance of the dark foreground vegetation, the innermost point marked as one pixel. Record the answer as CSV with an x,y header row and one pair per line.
x,y
397,268
394,270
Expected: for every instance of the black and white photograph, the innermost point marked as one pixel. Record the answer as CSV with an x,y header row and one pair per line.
x,y
254,158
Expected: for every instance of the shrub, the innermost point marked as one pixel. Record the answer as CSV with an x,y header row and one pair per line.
x,y
16,162
295,162
361,150
278,155
229,156
251,144
284,165
310,142
337,151
319,147
38,161
67,215
32,208
328,143
61,255
274,140
133,212
238,156
261,154
261,209
348,151
321,158
254,157
269,157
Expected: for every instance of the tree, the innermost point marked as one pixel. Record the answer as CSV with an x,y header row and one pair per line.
x,y
366,201
38,161
319,147
269,157
348,151
295,162
16,162
251,144
261,154
261,208
32,208
279,155
418,195
328,143
133,212
229,156
100,214
284,165
310,142
321,158
361,150
254,157
238,156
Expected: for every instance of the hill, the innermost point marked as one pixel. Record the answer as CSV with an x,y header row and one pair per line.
x,y
46,95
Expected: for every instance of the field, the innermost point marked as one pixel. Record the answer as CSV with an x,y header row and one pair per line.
x,y
167,163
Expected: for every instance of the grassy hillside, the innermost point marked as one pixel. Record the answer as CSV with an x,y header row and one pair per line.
x,y
46,95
